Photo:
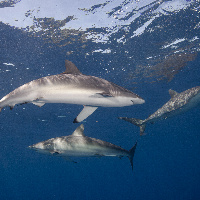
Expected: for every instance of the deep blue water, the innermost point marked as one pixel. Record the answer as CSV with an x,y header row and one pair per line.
x,y
166,161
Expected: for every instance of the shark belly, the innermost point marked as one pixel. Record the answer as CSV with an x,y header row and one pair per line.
x,y
91,151
79,96
83,147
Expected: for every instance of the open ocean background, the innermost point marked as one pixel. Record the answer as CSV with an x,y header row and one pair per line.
x,y
145,46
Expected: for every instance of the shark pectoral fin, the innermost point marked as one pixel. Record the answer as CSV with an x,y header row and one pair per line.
x,y
87,111
38,103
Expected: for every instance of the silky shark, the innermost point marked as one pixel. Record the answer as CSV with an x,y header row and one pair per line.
x,y
179,103
79,145
72,87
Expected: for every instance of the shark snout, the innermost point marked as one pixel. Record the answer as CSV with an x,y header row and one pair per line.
x,y
39,145
138,101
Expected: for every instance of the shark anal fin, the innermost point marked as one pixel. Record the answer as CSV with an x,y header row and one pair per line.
x,y
87,111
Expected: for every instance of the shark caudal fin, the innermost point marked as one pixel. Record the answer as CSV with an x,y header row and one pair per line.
x,y
131,154
138,122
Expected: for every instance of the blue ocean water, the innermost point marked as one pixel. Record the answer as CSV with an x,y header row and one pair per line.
x,y
166,161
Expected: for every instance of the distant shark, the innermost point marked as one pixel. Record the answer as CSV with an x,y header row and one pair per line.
x,y
79,145
72,87
179,103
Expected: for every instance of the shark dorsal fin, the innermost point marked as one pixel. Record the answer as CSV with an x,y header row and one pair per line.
x,y
71,68
79,131
172,93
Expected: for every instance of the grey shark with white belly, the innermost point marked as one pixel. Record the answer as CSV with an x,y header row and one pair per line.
x,y
79,145
72,87
179,103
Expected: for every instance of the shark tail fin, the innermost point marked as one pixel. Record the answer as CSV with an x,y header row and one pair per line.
x,y
131,154
138,122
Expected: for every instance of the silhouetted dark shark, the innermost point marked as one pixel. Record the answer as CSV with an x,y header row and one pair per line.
x,y
179,103
72,87
80,145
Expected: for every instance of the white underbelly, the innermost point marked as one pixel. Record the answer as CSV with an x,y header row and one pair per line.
x,y
82,98
92,152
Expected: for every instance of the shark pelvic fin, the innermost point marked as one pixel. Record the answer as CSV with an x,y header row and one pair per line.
x,y
79,131
172,93
38,103
87,111
71,68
